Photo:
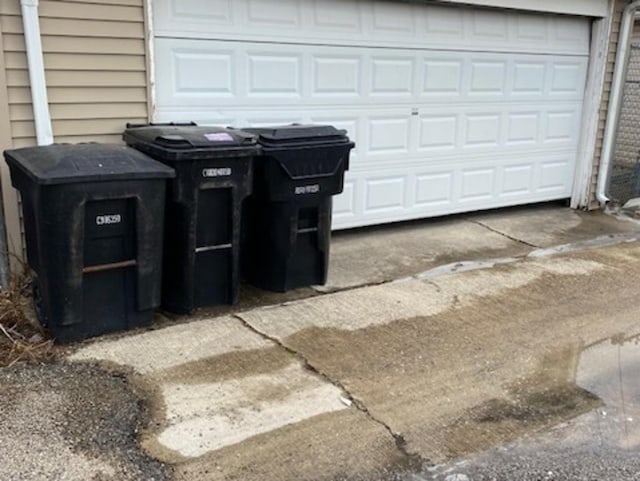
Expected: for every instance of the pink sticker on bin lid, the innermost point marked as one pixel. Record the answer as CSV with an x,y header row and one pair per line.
x,y
219,137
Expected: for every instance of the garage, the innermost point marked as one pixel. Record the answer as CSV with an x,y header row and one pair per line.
x,y
453,108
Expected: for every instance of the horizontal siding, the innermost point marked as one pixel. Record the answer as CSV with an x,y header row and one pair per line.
x,y
87,28
85,127
61,61
81,95
95,66
85,111
82,45
94,55
114,11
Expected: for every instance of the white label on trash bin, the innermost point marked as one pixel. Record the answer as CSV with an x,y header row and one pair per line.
x,y
219,137
108,219
220,172
307,189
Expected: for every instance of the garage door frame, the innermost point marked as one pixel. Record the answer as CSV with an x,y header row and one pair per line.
x,y
601,12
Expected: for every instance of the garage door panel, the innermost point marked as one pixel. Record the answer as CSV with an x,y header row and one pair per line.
x,y
488,78
225,73
391,75
274,75
382,23
556,175
567,78
389,134
385,194
456,134
344,205
477,184
196,15
336,75
337,16
444,189
434,189
561,126
438,131
517,180
274,13
196,73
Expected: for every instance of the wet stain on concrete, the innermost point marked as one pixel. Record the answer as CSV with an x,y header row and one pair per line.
x,y
231,365
597,443
540,401
611,369
498,364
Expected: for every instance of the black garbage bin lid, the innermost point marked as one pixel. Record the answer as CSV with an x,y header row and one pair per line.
x,y
190,142
91,162
299,135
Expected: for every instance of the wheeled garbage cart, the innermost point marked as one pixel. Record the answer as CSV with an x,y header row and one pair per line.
x,y
93,216
287,228
214,174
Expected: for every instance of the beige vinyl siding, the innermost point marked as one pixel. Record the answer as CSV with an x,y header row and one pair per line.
x,y
611,60
94,55
95,67
9,195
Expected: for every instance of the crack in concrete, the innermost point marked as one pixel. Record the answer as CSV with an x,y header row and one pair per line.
x,y
399,440
515,239
434,284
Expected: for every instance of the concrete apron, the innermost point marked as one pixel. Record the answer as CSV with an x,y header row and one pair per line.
x,y
359,382
383,254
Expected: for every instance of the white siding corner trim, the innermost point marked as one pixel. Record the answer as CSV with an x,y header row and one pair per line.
x,y
600,37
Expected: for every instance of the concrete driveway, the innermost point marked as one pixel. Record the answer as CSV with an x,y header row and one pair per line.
x,y
431,342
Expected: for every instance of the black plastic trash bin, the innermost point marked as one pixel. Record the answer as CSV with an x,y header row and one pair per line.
x,y
287,228
93,219
214,173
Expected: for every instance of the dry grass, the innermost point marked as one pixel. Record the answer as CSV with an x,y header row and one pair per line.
x,y
22,339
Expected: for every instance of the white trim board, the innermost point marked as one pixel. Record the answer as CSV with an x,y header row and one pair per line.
x,y
600,38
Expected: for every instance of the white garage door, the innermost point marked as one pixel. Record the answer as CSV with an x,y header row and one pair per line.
x,y
453,109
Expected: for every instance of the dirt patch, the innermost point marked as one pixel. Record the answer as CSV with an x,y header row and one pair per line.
x,y
22,339
73,422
